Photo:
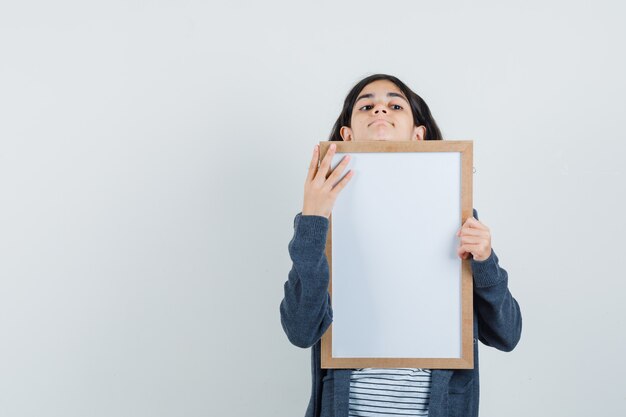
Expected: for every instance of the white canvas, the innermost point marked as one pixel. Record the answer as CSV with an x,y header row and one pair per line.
x,y
396,277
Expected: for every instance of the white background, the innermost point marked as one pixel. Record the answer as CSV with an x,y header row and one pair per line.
x,y
152,159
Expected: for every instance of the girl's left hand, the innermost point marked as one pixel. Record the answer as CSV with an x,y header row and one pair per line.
x,y
475,240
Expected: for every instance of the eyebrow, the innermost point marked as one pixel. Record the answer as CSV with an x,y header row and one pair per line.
x,y
370,95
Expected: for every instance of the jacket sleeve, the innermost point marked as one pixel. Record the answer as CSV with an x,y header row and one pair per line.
x,y
498,313
305,310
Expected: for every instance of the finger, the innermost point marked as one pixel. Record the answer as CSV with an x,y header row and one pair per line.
x,y
341,184
475,224
472,248
471,240
469,221
467,231
313,165
323,169
462,254
334,176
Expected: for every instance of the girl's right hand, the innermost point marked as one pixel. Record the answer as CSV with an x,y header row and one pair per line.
x,y
321,192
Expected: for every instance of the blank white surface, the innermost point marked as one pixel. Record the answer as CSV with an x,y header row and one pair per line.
x,y
396,278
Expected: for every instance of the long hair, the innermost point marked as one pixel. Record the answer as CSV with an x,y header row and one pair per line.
x,y
419,108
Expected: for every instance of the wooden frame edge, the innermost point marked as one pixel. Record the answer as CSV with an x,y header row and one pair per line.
x,y
467,310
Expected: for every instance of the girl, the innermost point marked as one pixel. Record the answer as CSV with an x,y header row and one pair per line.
x,y
381,107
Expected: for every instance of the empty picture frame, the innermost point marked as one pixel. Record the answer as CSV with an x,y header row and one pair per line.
x,y
401,296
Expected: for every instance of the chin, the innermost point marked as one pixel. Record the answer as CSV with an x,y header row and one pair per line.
x,y
380,136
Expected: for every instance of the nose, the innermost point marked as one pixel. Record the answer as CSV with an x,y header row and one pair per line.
x,y
380,108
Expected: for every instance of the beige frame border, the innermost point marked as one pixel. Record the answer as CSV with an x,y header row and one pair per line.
x,y
466,361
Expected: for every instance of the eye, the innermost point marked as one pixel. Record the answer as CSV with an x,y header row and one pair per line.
x,y
367,107
396,107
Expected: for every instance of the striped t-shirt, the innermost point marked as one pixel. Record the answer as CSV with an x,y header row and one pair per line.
x,y
389,391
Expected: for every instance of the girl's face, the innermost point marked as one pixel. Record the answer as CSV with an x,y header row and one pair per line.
x,y
382,112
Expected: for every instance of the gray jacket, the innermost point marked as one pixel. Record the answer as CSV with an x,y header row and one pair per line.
x,y
306,313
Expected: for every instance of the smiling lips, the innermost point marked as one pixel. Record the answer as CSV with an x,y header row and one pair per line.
x,y
379,121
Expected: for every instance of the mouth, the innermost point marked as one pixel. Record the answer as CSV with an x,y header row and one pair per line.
x,y
380,121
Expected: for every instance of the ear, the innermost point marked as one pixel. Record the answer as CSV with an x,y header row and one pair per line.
x,y
346,133
419,133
